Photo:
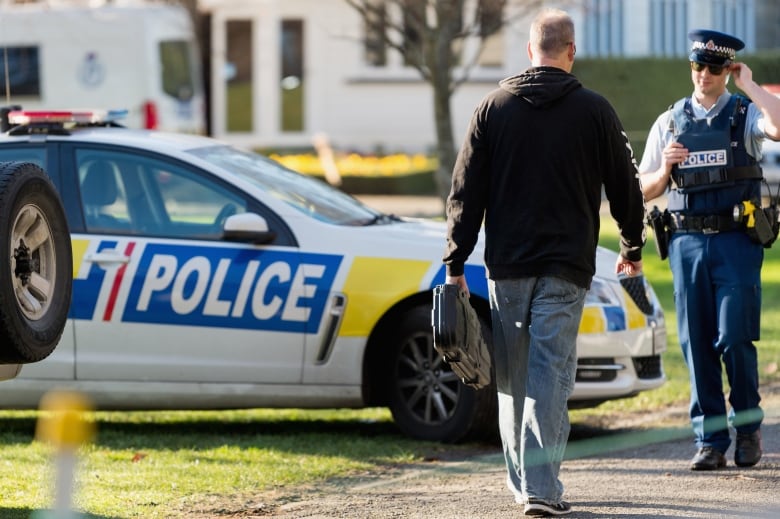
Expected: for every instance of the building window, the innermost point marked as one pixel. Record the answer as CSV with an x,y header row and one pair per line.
x,y
604,27
669,27
413,27
376,29
411,23
178,78
292,76
491,21
23,71
238,76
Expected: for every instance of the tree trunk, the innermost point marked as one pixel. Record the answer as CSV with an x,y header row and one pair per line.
x,y
441,60
445,145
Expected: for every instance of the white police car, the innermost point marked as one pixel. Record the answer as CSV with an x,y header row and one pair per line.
x,y
205,276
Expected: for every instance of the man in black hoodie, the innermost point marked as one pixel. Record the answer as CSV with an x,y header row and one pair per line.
x,y
537,153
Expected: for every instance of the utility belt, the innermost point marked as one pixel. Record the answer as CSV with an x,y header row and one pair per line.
x,y
706,224
761,224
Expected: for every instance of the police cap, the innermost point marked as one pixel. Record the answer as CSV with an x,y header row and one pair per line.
x,y
713,47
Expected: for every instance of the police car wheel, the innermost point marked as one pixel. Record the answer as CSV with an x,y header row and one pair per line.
x,y
36,275
427,399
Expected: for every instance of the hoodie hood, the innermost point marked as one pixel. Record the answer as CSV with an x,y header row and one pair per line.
x,y
541,86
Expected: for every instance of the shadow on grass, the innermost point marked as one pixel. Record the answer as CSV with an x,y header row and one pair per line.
x,y
254,426
22,429
212,429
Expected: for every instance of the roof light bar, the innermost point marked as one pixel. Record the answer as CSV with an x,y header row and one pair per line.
x,y
26,117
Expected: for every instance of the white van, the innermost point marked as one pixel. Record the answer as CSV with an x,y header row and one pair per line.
x,y
134,55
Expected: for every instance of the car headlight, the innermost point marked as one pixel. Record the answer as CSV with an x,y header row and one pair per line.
x,y
602,293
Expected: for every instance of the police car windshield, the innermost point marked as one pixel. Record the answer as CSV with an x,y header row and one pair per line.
x,y
308,195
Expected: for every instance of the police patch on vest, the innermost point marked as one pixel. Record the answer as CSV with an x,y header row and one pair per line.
x,y
698,159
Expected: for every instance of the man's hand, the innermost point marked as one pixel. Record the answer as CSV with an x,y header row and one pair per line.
x,y
627,267
458,280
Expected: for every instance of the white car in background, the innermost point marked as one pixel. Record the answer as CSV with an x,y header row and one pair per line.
x,y
770,150
208,277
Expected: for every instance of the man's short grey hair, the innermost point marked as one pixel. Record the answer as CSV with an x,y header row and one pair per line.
x,y
551,31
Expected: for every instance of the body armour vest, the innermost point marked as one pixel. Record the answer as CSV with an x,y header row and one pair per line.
x,y
718,173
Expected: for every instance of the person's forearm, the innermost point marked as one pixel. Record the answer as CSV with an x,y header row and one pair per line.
x,y
654,183
769,104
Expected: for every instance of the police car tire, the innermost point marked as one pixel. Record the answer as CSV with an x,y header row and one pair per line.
x,y
471,414
36,276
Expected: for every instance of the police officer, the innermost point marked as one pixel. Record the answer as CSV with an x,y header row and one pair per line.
x,y
703,152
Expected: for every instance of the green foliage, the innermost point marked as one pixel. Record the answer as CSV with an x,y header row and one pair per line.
x,y
410,184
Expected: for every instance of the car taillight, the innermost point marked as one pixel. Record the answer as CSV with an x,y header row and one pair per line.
x,y
150,116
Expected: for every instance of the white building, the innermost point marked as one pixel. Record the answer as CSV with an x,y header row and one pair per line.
x,y
283,71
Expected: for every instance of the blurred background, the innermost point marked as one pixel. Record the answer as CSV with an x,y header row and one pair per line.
x,y
354,91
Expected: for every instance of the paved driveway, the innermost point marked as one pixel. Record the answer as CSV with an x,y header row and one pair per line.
x,y
641,472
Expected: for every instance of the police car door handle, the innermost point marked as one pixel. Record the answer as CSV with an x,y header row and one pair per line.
x,y
110,256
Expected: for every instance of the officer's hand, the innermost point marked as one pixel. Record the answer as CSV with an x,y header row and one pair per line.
x,y
627,267
458,280
674,153
742,74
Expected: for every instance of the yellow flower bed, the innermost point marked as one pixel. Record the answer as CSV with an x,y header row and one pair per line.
x,y
361,165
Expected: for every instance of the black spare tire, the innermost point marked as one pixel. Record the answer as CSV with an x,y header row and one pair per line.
x,y
36,271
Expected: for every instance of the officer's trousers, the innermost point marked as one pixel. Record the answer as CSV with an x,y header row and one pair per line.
x,y
717,292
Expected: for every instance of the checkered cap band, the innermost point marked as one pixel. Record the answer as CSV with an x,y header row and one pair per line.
x,y
718,50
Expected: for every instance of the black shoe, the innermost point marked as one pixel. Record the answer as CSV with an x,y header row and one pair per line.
x,y
748,449
708,458
540,508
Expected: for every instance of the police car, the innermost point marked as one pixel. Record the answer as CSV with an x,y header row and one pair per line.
x,y
208,277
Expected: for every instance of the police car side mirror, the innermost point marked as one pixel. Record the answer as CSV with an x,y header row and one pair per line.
x,y
247,227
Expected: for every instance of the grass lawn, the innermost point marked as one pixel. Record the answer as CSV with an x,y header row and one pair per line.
x,y
164,464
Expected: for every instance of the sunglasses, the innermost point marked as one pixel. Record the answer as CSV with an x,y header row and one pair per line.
x,y
715,70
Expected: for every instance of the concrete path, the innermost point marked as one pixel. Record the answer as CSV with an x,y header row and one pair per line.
x,y
639,473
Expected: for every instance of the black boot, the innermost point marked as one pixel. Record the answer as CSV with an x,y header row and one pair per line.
x,y
748,449
708,458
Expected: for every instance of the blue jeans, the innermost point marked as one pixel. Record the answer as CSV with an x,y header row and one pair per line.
x,y
535,325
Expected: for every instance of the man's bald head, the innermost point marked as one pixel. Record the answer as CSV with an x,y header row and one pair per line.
x,y
552,31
